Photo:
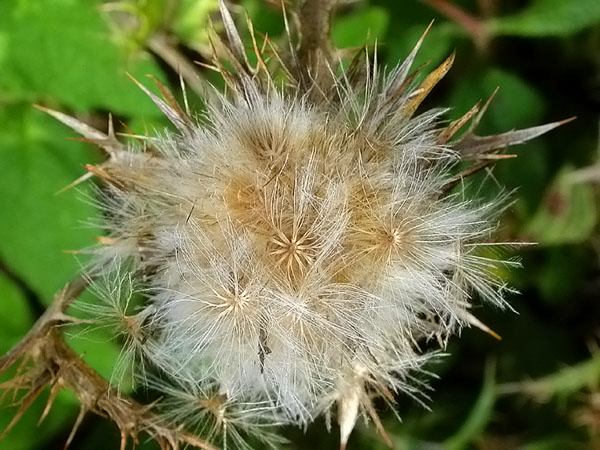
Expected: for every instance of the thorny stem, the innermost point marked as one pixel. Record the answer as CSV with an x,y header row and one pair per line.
x,y
45,360
315,53
52,317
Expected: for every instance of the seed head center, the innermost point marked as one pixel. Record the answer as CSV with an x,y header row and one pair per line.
x,y
293,252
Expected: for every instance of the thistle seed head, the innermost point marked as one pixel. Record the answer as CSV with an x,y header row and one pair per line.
x,y
298,241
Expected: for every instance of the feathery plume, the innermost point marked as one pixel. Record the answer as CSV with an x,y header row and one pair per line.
x,y
298,241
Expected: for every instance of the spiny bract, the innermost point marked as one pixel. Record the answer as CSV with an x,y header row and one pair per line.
x,y
296,243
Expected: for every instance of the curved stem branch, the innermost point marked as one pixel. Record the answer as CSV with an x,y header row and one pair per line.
x,y
470,23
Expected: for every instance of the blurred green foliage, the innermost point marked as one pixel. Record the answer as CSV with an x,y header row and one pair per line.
x,y
73,55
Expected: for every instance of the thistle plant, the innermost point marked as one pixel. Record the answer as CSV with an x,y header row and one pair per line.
x,y
301,247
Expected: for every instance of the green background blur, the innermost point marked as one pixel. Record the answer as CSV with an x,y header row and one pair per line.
x,y
537,388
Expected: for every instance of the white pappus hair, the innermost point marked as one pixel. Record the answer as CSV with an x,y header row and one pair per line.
x,y
297,244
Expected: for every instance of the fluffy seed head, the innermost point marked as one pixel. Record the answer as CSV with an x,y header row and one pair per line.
x,y
298,243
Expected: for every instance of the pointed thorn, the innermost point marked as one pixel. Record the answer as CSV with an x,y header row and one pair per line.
x,y
427,86
89,133
111,127
101,173
66,319
170,113
26,402
230,29
497,156
482,111
482,326
473,146
106,240
424,35
455,126
170,100
378,425
76,425
184,94
54,390
77,182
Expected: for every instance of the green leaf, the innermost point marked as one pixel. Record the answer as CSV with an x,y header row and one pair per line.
x,y
265,18
479,416
62,49
567,215
37,226
364,26
528,173
191,21
549,18
15,316
557,281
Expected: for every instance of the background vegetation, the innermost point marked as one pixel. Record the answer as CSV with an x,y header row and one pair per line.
x,y
537,388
